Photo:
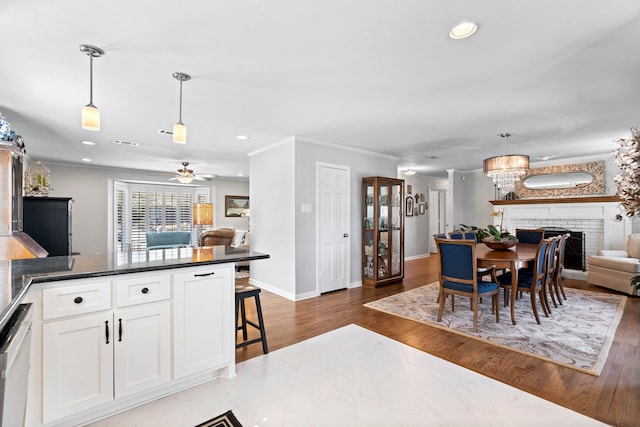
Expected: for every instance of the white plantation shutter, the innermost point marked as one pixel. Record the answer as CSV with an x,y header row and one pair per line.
x,y
141,208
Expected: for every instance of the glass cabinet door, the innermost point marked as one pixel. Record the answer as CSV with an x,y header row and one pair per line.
x,y
367,234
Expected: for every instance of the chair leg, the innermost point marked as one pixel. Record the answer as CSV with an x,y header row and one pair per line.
x,y
443,298
544,301
496,302
475,317
244,319
553,296
263,334
534,306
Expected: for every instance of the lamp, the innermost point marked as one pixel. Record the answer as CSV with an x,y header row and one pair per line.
x,y
202,216
185,179
90,113
179,129
506,170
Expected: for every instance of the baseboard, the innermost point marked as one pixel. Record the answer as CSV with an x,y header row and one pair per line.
x,y
574,274
411,258
288,295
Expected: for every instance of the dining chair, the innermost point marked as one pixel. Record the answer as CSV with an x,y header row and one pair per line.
x,y
533,236
470,235
550,272
530,282
458,235
440,236
558,286
458,276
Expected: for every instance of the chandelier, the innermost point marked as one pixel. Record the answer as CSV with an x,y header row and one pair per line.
x,y
506,170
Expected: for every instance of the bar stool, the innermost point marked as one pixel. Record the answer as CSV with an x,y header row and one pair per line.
x,y
244,291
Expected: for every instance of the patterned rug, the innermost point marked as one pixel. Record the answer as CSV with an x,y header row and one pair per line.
x,y
577,334
224,420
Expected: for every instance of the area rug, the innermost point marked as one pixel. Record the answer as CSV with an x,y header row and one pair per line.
x,y
224,420
577,334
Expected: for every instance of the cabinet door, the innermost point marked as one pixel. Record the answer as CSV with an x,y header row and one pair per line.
x,y
77,359
142,340
203,320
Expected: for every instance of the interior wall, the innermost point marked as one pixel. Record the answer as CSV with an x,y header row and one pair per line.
x,y
272,198
362,164
417,233
88,186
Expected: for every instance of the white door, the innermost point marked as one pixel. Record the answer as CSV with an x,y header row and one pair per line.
x,y
437,216
142,340
333,227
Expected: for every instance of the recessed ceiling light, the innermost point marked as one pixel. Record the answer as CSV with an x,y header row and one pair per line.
x,y
463,30
86,159
410,172
240,174
544,157
242,137
88,143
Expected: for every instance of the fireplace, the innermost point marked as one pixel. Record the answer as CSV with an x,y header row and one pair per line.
x,y
574,253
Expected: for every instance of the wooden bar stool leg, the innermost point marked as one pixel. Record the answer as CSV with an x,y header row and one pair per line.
x,y
244,319
263,334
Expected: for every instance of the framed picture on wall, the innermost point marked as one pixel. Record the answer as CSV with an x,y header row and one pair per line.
x,y
235,206
421,208
409,206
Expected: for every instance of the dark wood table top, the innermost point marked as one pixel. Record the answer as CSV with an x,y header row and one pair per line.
x,y
519,252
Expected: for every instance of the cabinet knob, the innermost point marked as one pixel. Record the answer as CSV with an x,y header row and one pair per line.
x,y
145,290
78,300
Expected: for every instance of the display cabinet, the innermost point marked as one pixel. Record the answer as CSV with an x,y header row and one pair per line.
x,y
382,231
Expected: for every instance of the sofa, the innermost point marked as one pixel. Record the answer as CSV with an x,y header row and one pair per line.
x,y
614,269
228,237
168,239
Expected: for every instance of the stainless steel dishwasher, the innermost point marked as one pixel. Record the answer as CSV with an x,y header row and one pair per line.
x,y
15,348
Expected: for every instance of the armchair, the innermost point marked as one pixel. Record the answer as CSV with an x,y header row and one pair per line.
x,y
614,269
228,237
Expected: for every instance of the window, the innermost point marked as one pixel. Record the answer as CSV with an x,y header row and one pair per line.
x,y
140,208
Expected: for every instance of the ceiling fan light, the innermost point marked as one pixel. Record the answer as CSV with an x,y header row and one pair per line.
x,y
185,179
90,117
410,172
179,133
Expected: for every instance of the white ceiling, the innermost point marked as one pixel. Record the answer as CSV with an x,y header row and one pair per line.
x,y
380,75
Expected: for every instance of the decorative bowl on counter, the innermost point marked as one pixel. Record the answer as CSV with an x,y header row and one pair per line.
x,y
500,245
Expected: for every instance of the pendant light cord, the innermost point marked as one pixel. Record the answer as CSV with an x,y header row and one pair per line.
x,y
91,80
180,114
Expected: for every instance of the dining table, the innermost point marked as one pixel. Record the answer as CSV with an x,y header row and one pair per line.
x,y
518,256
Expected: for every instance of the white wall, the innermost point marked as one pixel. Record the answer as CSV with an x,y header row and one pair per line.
x,y
283,177
89,188
272,198
417,234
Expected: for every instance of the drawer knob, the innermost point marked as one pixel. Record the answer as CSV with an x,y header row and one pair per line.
x,y
78,300
145,290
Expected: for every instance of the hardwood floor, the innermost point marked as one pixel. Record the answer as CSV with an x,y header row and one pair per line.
x,y
613,397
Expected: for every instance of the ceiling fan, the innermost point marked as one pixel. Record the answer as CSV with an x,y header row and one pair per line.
x,y
185,175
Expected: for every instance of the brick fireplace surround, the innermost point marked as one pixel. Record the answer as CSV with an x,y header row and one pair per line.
x,y
594,216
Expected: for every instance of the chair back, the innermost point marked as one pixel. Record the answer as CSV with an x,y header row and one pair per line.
x,y
440,236
457,260
470,235
540,266
552,258
533,236
560,253
458,235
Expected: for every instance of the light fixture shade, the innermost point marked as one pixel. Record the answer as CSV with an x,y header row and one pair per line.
x,y
410,172
506,170
185,179
203,214
90,117
179,133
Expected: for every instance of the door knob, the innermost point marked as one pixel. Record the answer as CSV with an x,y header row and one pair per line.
x,y
345,235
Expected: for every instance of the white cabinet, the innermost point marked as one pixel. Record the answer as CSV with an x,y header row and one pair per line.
x,y
77,365
203,321
91,359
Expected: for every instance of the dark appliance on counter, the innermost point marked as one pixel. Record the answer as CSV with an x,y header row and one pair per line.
x,y
48,221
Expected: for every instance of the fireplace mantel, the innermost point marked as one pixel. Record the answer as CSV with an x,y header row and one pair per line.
x,y
593,199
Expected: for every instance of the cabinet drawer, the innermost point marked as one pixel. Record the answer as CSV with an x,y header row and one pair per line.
x,y
77,299
143,289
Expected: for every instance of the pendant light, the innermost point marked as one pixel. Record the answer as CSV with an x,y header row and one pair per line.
x,y
90,113
179,129
506,170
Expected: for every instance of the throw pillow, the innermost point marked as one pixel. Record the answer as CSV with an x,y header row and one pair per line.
x,y
238,238
633,245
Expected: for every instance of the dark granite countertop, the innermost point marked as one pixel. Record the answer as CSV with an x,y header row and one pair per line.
x,y
17,275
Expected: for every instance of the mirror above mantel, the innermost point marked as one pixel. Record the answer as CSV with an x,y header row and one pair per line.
x,y
581,179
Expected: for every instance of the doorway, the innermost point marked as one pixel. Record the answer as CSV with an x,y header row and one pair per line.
x,y
333,227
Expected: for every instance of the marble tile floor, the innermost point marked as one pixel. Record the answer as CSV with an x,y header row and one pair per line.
x,y
352,377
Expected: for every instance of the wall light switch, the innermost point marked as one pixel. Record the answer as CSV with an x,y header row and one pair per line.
x,y
306,208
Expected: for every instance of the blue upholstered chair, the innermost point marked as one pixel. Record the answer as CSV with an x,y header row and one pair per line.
x,y
532,282
532,236
458,235
550,272
470,235
458,276
440,236
558,286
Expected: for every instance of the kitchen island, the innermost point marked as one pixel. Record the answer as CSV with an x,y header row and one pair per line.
x,y
113,332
